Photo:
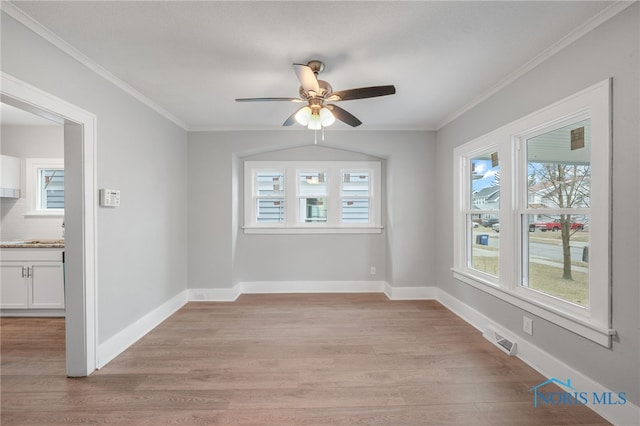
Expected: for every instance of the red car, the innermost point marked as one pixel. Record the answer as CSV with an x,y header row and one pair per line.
x,y
554,226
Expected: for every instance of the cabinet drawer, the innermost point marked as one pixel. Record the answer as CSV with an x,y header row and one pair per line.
x,y
31,254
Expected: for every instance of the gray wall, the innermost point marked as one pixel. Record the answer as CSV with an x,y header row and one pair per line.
x,y
29,142
220,255
142,245
610,50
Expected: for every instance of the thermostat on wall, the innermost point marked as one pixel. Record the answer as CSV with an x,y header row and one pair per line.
x,y
109,197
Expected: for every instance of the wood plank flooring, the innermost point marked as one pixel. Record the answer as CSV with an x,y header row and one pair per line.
x,y
321,359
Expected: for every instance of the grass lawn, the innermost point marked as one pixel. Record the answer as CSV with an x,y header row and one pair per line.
x,y
546,279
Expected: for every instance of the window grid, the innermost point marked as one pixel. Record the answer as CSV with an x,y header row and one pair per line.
x,y
317,196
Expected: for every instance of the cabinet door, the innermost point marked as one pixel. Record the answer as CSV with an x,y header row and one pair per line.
x,y
47,285
14,290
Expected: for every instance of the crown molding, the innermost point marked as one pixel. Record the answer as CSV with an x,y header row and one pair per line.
x,y
19,15
609,12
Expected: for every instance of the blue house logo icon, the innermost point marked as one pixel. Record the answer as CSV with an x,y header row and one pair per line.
x,y
537,392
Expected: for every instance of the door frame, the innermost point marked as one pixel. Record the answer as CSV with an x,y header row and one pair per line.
x,y
80,139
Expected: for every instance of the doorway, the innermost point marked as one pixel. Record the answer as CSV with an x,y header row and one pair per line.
x,y
80,220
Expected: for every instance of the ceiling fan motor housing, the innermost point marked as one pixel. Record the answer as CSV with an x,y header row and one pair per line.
x,y
316,66
325,89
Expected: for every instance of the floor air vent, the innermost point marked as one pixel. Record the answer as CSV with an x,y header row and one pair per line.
x,y
505,344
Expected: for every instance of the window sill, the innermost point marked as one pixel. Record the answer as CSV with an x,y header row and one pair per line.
x,y
580,326
52,214
312,230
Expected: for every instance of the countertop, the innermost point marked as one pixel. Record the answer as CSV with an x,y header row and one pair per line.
x,y
41,243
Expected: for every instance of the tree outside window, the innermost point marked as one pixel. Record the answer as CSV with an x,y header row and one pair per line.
x,y
558,202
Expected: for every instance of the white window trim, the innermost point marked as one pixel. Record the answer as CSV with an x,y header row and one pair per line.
x,y
33,165
594,322
334,170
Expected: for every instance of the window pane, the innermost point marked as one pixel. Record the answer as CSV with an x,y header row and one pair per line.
x,y
269,183
558,168
482,218
355,210
558,256
270,210
485,247
356,190
312,183
355,184
485,182
313,210
51,189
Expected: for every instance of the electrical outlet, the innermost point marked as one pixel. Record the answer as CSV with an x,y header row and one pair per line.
x,y
527,325
372,271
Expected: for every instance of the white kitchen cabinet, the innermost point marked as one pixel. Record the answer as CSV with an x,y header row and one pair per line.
x,y
32,284
14,291
9,176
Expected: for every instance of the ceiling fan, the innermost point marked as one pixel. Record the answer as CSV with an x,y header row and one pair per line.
x,y
317,113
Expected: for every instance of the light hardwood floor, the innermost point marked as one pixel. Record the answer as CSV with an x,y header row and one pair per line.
x,y
338,359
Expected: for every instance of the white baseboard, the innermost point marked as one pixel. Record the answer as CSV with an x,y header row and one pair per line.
x,y
265,287
464,311
274,287
117,344
549,366
32,313
214,294
410,293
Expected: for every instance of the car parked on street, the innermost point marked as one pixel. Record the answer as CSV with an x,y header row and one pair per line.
x,y
553,226
489,222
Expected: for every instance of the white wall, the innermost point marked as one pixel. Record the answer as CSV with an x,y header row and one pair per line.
x,y
610,50
220,255
142,245
29,142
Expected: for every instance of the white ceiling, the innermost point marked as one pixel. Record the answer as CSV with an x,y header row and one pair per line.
x,y
192,59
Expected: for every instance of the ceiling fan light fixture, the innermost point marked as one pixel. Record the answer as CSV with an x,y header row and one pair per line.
x,y
314,122
303,116
326,117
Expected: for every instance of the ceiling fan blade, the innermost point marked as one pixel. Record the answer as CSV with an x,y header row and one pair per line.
x,y
307,78
269,99
344,116
361,93
292,118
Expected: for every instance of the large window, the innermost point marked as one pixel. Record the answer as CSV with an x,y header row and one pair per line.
x,y
532,225
312,196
